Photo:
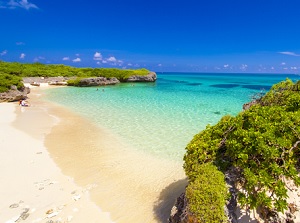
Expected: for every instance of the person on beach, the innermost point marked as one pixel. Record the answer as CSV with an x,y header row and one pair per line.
x,y
23,103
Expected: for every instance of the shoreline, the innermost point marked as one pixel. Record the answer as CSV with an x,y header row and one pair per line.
x,y
130,186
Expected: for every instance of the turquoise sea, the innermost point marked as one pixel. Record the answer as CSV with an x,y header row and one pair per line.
x,y
161,118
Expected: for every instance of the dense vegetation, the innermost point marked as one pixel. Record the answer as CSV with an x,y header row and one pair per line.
x,y
262,144
18,70
6,81
207,194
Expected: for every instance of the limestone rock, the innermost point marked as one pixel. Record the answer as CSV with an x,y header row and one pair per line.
x,y
151,77
14,94
246,106
14,205
180,212
60,83
98,81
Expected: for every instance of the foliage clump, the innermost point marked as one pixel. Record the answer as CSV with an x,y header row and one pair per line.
x,y
51,70
262,143
207,194
6,81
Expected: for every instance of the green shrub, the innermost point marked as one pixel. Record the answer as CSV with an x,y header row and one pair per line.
x,y
207,195
42,70
7,80
74,82
262,143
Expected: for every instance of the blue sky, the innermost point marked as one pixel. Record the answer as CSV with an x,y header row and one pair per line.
x,y
192,36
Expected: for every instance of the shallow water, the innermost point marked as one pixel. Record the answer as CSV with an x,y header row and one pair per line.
x,y
161,118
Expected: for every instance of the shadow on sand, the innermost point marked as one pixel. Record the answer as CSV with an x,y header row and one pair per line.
x,y
167,199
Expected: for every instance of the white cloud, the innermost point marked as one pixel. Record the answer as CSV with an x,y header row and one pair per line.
x,y
77,54
244,67
130,64
290,53
159,65
294,68
97,56
66,58
226,65
112,59
283,63
22,56
98,62
77,60
22,4
104,61
20,43
36,59
3,53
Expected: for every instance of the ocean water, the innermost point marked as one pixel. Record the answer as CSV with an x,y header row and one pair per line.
x,y
161,118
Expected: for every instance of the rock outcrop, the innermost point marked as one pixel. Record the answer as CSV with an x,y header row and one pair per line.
x,y
179,212
98,81
14,94
151,77
50,80
248,105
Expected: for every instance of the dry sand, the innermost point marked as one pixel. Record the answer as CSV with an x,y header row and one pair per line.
x,y
33,189
127,185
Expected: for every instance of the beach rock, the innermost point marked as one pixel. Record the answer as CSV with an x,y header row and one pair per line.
x,y
98,81
58,83
180,212
248,105
151,77
14,94
50,211
24,216
14,205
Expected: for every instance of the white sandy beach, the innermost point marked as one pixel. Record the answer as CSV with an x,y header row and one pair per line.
x,y
33,189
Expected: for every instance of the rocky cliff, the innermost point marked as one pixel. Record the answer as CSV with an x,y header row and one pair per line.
x,y
151,77
14,94
98,81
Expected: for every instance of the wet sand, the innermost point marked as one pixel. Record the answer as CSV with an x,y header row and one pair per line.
x,y
132,186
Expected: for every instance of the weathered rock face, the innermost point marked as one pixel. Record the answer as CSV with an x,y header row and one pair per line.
x,y
48,80
180,212
14,94
98,81
151,77
248,105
